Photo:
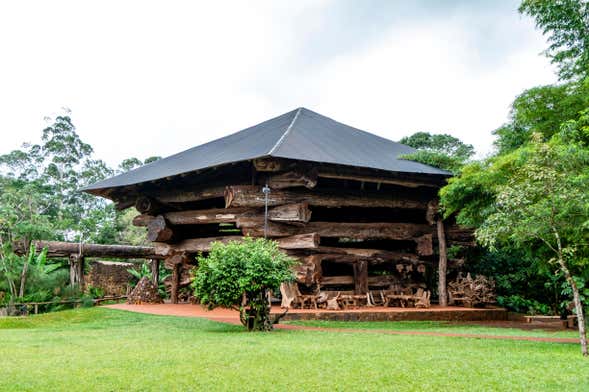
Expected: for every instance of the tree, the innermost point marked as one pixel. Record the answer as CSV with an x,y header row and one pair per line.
x,y
541,110
545,202
443,151
133,163
240,275
566,22
55,170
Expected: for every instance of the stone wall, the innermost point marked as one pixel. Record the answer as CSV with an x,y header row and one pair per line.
x,y
110,276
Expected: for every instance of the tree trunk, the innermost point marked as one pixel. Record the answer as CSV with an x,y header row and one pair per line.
x,y
155,271
443,265
578,306
23,278
175,283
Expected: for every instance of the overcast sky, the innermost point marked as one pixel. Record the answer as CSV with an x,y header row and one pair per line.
x,y
147,78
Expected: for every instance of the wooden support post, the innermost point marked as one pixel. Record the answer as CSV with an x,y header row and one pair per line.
x,y
81,265
361,277
175,283
77,271
155,271
442,265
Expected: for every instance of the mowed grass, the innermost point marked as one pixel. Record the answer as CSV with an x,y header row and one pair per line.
x,y
109,350
441,327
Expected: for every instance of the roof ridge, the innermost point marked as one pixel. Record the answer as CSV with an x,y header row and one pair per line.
x,y
288,129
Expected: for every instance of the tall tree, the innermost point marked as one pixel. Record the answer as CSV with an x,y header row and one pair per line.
x,y
541,110
58,167
566,23
545,204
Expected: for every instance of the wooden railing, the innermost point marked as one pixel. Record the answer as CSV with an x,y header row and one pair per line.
x,y
35,305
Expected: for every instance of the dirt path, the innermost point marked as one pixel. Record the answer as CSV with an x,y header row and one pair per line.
x,y
232,317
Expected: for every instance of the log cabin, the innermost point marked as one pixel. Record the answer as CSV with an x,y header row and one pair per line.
x,y
342,201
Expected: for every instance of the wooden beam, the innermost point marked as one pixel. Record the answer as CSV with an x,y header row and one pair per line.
x,y
291,179
252,196
158,230
186,195
357,174
271,164
391,231
196,245
292,213
374,255
425,245
147,205
65,249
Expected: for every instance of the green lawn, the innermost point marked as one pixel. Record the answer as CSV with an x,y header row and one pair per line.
x,y
109,350
441,326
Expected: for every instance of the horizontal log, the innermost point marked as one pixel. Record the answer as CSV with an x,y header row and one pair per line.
x,y
294,213
391,231
300,241
290,213
65,249
159,231
196,245
252,196
186,196
373,255
271,164
425,245
193,245
147,205
196,217
365,176
291,179
337,280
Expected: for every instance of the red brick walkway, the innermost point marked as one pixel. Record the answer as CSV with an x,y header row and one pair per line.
x,y
232,317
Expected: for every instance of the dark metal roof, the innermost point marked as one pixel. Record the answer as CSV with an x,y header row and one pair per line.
x,y
300,134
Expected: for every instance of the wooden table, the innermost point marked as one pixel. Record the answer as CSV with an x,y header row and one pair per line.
x,y
404,299
354,300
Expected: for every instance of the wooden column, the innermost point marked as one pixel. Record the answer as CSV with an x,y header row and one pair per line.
x,y
175,283
361,277
155,271
442,264
77,271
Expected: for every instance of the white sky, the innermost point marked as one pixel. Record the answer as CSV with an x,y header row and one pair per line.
x,y
149,78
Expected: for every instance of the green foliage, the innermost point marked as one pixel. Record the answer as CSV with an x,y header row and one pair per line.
x,y
239,274
522,305
443,151
52,173
439,143
145,271
133,163
39,279
541,110
566,23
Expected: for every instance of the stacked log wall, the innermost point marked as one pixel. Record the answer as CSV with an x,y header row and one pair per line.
x,y
383,228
